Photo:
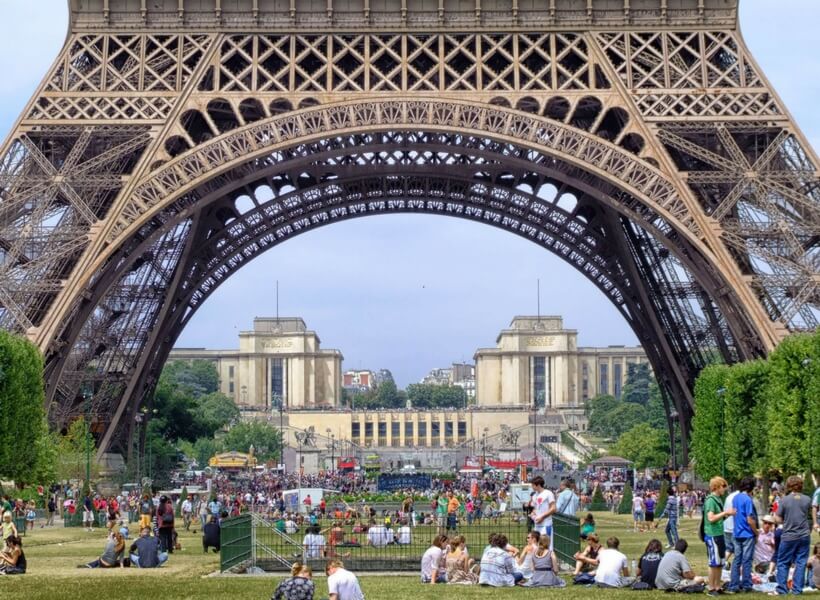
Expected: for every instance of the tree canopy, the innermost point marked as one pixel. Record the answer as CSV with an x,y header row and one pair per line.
x,y
22,417
760,415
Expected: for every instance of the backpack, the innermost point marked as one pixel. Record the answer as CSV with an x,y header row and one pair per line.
x,y
701,527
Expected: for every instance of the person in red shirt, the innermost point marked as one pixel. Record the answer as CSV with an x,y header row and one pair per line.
x,y
322,506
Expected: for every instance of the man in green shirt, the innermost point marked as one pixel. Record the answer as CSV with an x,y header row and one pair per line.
x,y
441,512
713,515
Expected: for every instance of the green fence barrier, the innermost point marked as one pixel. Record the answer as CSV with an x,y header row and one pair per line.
x,y
75,520
254,539
236,541
20,524
566,531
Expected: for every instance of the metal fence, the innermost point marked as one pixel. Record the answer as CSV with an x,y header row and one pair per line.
x,y
237,541
254,539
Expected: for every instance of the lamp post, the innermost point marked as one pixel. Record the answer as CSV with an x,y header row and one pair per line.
x,y
332,445
87,395
721,392
138,418
484,447
807,362
278,402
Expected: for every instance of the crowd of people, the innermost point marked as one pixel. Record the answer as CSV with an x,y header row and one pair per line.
x,y
746,546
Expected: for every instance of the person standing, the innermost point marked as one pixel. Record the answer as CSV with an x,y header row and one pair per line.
x,y
671,512
52,509
165,524
637,512
744,534
567,502
815,509
729,525
793,513
187,509
543,507
714,513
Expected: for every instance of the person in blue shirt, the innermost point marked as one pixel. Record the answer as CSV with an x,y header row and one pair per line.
x,y
744,534
671,511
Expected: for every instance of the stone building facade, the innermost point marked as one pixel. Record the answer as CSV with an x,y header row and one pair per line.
x,y
278,361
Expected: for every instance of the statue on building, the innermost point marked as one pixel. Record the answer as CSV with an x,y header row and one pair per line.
x,y
509,437
307,437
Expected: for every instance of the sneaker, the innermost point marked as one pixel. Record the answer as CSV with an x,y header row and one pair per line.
x,y
714,593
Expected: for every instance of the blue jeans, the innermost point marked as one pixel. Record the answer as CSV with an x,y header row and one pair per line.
x,y
672,531
744,550
162,557
792,552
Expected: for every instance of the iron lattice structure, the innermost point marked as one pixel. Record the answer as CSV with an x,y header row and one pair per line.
x,y
175,140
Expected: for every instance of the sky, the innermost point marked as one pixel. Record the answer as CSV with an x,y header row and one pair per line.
x,y
409,292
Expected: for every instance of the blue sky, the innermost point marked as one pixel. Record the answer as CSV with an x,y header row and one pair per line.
x,y
411,293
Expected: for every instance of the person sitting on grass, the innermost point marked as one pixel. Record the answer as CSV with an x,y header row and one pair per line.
x,y
210,535
459,564
300,586
404,536
113,555
545,566
649,562
588,526
314,543
498,565
586,561
433,565
378,535
12,558
674,572
524,560
612,568
341,583
145,552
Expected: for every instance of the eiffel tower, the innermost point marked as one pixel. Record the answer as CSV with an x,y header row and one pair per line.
x,y
173,141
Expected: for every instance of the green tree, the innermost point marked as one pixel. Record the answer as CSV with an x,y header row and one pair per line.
x,y
709,422
217,410
745,434
598,408
638,382
266,440
663,496
644,446
598,502
420,395
792,410
625,506
388,396
73,448
197,377
22,398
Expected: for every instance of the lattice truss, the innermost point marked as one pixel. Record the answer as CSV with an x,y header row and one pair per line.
x,y
269,200
757,181
678,74
623,103
115,332
707,100
119,77
55,184
402,62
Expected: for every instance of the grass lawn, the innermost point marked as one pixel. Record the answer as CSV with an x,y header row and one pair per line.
x,y
53,556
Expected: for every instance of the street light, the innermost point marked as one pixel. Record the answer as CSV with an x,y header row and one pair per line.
x,y
278,401
484,447
138,419
332,446
87,396
720,393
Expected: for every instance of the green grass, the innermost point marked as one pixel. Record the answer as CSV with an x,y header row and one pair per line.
x,y
53,555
